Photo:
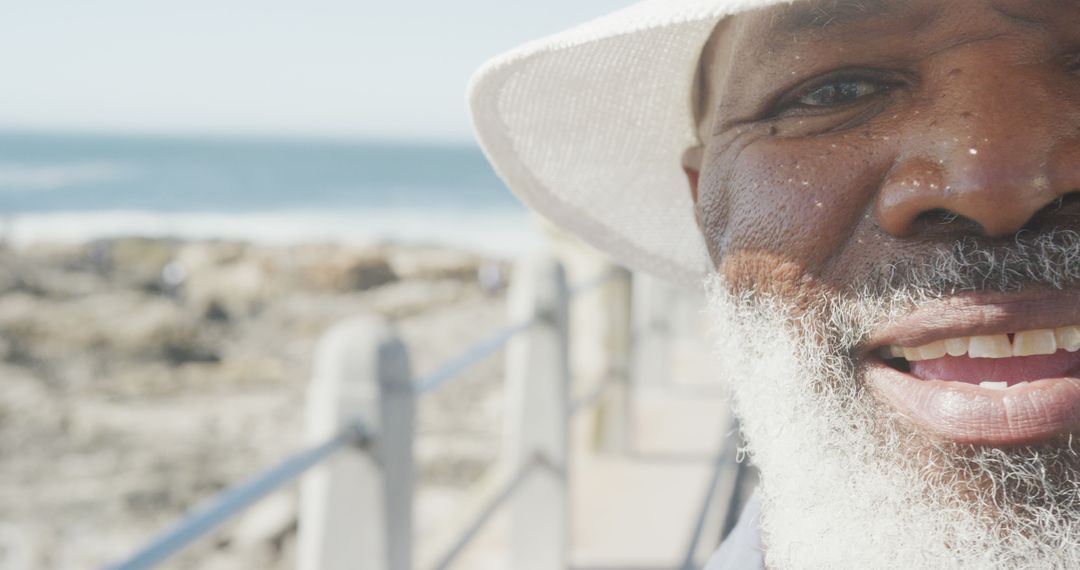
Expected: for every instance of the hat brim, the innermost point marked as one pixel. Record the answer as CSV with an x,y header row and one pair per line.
x,y
589,127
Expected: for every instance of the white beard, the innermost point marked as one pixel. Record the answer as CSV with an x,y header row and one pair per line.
x,y
845,484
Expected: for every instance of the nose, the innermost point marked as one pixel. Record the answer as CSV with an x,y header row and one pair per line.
x,y
999,148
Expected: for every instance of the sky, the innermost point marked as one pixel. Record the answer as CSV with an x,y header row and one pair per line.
x,y
391,69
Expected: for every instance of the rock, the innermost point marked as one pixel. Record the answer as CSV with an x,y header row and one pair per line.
x,y
197,255
107,328
49,272
238,289
137,262
62,255
68,284
19,315
361,275
434,263
16,275
351,271
29,412
411,297
160,330
215,312
9,279
144,376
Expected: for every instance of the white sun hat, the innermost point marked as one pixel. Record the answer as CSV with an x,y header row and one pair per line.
x,y
588,128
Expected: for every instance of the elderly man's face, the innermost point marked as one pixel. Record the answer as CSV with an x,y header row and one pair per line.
x,y
890,192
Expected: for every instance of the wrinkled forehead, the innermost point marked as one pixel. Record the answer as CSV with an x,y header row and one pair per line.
x,y
755,46
785,24
796,24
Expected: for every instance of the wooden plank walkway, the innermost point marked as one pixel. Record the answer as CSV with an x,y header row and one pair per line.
x,y
638,510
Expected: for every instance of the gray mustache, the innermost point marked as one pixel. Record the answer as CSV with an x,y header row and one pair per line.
x,y
843,324
1047,259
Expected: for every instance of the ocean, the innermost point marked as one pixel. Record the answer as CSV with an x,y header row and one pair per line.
x,y
61,187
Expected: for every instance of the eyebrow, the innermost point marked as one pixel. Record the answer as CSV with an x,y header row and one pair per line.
x,y
823,14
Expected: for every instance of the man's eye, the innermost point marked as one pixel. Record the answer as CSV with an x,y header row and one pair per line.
x,y
840,92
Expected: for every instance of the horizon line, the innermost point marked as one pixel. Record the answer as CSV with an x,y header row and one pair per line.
x,y
240,136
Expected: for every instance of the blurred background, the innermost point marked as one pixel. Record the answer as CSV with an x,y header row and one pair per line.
x,y
273,120
190,195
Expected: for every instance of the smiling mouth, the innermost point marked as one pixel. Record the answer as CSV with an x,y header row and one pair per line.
x,y
994,361
986,371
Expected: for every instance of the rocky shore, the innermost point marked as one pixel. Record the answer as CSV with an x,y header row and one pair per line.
x,y
140,377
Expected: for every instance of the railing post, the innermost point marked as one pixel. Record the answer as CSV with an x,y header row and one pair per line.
x,y
652,331
538,392
356,510
614,416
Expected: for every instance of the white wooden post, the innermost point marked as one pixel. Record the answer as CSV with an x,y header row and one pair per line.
x,y
614,414
538,414
356,510
652,342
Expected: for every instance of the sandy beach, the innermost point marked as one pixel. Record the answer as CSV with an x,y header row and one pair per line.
x,y
140,377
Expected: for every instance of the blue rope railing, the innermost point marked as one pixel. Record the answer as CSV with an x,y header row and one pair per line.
x,y
497,341
471,356
239,498
728,451
509,486
235,500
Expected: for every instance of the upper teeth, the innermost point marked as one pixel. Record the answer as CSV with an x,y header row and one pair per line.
x,y
1026,343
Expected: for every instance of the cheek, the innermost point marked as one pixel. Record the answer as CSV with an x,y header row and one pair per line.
x,y
781,210
764,272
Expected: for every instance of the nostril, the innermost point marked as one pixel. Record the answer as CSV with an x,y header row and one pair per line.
x,y
1064,206
1069,202
939,216
942,219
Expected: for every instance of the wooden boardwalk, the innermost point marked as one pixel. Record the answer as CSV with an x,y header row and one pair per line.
x,y
619,450
639,509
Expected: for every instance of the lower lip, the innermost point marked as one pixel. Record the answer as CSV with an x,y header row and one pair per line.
x,y
970,414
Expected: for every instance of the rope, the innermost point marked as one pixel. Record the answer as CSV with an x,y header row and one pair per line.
x,y
592,398
726,455
506,491
471,356
233,501
496,342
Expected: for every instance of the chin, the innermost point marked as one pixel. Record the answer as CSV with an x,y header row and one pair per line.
x,y
853,478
